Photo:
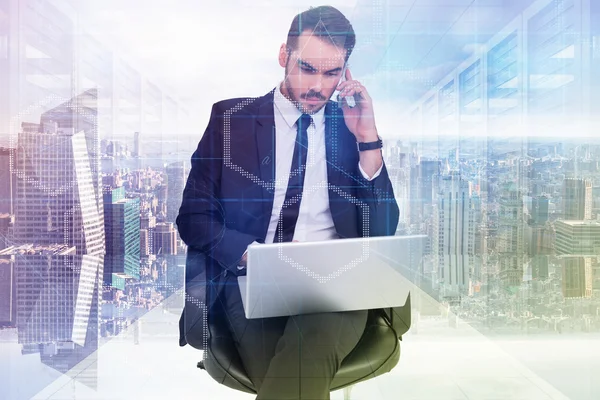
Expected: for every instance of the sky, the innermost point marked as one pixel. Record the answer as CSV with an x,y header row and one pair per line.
x,y
204,52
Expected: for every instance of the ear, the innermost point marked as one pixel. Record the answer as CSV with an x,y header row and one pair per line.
x,y
283,55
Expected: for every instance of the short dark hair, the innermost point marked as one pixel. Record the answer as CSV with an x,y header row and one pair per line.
x,y
325,21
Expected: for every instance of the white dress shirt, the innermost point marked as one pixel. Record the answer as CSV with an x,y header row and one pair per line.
x,y
314,218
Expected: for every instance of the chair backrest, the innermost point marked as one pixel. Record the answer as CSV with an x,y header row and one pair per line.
x,y
202,282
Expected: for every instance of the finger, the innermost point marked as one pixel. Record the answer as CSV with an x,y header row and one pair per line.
x,y
344,84
349,86
354,91
348,74
364,93
349,92
358,91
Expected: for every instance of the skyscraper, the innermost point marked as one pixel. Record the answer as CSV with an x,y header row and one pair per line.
x,y
427,170
511,235
539,239
57,295
453,236
415,196
7,180
165,239
56,202
7,292
80,114
144,243
148,223
577,199
578,238
539,267
6,229
578,245
577,276
122,225
136,145
539,210
176,173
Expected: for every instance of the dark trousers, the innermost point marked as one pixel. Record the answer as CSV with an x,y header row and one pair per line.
x,y
292,357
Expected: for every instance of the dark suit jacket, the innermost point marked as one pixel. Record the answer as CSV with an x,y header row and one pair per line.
x,y
228,198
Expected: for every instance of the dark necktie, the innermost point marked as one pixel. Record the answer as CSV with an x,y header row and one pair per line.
x,y
291,205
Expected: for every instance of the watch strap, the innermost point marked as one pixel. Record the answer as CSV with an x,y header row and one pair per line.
x,y
362,146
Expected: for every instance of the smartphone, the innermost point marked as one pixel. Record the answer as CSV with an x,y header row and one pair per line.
x,y
349,99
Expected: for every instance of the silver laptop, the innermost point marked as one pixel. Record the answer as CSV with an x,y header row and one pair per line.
x,y
326,276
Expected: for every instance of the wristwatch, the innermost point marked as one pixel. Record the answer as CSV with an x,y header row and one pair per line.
x,y
370,145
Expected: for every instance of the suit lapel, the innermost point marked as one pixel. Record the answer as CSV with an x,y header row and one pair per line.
x,y
332,142
265,144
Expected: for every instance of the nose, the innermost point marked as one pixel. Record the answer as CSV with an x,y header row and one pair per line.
x,y
316,83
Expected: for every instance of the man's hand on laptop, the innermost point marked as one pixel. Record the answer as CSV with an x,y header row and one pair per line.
x,y
241,267
244,261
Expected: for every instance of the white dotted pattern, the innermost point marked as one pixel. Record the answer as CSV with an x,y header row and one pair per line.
x,y
271,186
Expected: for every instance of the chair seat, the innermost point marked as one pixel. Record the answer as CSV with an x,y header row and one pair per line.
x,y
377,352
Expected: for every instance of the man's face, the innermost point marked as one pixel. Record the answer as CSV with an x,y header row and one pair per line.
x,y
312,72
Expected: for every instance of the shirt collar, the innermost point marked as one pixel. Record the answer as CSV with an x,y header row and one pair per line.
x,y
290,113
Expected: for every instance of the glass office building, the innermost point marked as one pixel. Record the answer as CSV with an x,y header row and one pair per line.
x,y
122,226
57,307
536,77
540,66
554,59
55,200
504,86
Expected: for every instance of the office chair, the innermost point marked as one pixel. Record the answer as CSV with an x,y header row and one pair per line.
x,y
376,353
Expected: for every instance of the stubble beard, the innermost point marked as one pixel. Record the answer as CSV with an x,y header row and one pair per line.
x,y
291,96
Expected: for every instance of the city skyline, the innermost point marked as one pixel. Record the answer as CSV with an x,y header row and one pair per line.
x,y
488,119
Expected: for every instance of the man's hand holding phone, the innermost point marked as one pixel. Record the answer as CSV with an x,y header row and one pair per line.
x,y
360,119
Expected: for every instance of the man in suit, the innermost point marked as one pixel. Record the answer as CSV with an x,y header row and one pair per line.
x,y
290,165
